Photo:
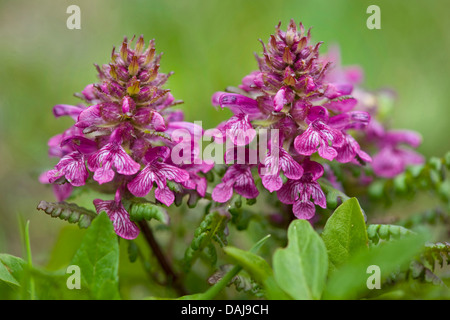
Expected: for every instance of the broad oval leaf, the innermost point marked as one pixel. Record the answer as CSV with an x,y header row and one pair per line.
x,y
345,233
98,259
301,268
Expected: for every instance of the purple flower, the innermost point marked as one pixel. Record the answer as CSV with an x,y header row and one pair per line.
x,y
157,172
238,178
124,135
72,167
349,150
318,137
61,191
394,156
309,103
274,164
116,212
305,192
112,156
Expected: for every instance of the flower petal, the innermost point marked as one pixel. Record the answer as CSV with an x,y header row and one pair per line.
x,y
307,143
290,191
141,185
222,192
304,209
239,130
67,110
165,195
116,212
341,104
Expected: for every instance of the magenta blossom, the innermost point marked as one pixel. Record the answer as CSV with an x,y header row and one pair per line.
x,y
115,210
305,192
238,178
158,172
394,155
123,137
296,93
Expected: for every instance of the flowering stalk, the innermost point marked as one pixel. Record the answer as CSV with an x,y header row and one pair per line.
x,y
308,99
121,140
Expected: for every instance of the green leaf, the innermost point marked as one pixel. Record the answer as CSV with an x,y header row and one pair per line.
x,y
69,212
98,259
65,247
301,268
11,269
350,280
52,285
345,233
210,228
141,210
386,232
259,270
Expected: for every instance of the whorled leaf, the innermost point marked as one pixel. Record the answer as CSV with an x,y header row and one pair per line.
x,y
436,254
430,176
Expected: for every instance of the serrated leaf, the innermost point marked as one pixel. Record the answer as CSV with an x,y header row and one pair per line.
x,y
301,268
98,259
345,233
69,212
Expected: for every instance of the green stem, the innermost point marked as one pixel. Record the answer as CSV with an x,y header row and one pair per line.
x,y
212,292
29,261
172,277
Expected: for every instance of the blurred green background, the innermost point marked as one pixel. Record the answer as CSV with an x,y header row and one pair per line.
x,y
210,45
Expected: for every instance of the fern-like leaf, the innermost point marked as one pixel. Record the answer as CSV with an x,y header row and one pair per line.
x,y
211,228
69,212
385,232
